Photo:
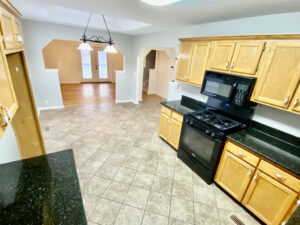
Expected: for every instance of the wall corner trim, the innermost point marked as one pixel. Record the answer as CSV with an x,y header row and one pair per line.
x,y
49,108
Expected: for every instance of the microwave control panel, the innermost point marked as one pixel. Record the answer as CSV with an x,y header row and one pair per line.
x,y
240,94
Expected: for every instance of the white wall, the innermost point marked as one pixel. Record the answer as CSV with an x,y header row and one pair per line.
x,y
9,150
37,35
271,24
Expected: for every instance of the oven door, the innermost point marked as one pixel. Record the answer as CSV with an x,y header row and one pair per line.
x,y
202,147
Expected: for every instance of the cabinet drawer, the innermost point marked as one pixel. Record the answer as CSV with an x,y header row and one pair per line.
x,y
166,110
280,175
242,154
177,116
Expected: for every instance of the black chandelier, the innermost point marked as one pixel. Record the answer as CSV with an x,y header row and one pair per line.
x,y
97,39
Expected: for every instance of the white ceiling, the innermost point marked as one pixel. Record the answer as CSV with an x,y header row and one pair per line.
x,y
136,17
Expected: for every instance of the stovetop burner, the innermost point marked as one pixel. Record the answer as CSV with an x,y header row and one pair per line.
x,y
216,120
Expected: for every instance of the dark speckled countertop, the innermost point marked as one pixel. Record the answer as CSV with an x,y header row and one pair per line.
x,y
185,105
277,146
41,191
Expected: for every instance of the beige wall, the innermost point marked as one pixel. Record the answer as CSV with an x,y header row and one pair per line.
x,y
64,56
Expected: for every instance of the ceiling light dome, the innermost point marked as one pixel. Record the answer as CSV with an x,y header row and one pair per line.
x,y
85,47
160,2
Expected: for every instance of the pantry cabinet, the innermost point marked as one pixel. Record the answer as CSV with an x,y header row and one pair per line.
x,y
184,60
281,74
265,189
170,126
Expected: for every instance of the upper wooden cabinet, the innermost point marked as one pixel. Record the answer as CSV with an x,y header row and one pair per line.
x,y
18,34
184,61
221,55
247,56
295,104
8,100
7,29
199,61
281,74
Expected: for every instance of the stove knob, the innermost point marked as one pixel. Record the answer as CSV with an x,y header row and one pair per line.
x,y
213,135
187,120
192,122
207,132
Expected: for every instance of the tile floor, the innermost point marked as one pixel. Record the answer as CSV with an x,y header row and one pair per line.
x,y
128,175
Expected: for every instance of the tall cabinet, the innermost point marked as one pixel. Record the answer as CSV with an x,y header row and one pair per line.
x,y
17,104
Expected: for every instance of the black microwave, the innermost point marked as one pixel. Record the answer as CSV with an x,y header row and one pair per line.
x,y
228,88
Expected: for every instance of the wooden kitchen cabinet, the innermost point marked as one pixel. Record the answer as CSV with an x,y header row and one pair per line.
x,y
170,126
246,57
7,29
18,34
221,55
268,199
234,175
295,104
184,60
280,75
199,62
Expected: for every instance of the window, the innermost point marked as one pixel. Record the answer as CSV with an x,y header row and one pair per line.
x,y
102,61
86,64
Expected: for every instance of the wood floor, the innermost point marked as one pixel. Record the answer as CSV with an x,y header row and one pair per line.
x,y
92,93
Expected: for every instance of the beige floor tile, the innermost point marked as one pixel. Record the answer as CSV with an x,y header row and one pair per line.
x,y
100,155
173,221
165,170
125,175
182,190
91,223
90,167
129,216
244,217
90,202
206,215
116,191
151,219
204,195
148,166
143,180
97,186
107,171
182,210
131,162
105,212
162,185
159,203
137,197
115,159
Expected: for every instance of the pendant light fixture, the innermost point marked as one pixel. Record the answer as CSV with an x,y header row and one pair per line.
x,y
97,39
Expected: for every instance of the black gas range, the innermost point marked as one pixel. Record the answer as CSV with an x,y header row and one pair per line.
x,y
204,131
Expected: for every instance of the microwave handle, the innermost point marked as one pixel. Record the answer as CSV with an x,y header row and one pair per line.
x,y
233,91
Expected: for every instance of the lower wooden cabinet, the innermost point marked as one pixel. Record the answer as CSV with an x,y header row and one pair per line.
x,y
170,126
265,189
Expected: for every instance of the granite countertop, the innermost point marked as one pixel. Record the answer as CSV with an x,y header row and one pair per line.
x,y
274,145
185,105
41,190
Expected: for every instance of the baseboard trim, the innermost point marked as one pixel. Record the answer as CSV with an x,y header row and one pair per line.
x,y
125,101
49,108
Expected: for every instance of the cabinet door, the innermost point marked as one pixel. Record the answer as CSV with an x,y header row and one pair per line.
x,y
268,199
7,94
184,61
7,27
18,34
174,133
221,55
234,175
199,61
280,75
247,56
295,105
164,126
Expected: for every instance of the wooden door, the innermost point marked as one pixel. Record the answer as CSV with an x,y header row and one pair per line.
x,y
18,34
184,60
295,104
268,199
221,55
25,123
174,133
246,57
7,27
8,98
199,62
280,75
234,175
164,126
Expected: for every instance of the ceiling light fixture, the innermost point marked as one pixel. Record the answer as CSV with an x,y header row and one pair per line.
x,y
97,39
160,2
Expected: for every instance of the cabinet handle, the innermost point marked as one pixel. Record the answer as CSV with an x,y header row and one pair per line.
x,y
232,65
6,115
227,64
241,154
250,172
283,223
296,102
279,176
255,177
286,100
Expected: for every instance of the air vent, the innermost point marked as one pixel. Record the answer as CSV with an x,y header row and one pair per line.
x,y
236,220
